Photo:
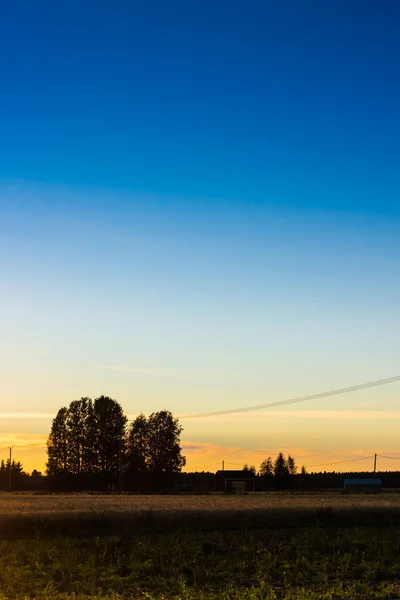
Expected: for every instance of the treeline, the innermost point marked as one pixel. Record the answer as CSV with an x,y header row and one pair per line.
x,y
275,474
13,476
93,447
197,482
280,467
90,446
200,482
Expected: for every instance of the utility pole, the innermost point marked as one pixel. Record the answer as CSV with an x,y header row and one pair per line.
x,y
375,467
9,470
223,465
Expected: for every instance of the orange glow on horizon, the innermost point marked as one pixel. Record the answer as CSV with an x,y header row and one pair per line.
x,y
30,449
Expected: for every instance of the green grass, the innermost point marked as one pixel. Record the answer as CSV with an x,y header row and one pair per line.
x,y
308,563
162,548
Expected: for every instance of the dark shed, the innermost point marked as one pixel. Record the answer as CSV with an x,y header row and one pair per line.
x,y
235,481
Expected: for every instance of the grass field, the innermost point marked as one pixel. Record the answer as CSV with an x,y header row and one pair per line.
x,y
266,547
24,515
12,504
304,564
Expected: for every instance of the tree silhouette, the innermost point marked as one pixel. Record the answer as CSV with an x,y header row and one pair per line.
x,y
281,471
281,466
292,468
79,442
87,440
137,451
249,469
154,447
266,468
16,467
165,454
108,434
18,475
57,445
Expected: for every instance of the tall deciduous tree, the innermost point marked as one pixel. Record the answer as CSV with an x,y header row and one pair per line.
x,y
87,438
80,444
137,450
165,453
108,435
154,446
57,445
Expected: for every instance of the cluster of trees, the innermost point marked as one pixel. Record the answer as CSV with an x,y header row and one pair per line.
x,y
12,475
279,473
280,467
91,446
16,467
153,455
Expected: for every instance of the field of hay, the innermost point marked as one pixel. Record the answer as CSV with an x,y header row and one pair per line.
x,y
63,504
28,515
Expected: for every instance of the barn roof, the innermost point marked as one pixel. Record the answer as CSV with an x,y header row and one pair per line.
x,y
237,475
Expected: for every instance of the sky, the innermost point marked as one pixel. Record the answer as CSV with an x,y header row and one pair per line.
x,y
199,210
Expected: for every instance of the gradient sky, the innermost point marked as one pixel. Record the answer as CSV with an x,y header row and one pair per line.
x,y
199,209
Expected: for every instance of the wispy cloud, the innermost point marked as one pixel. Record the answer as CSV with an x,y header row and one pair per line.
x,y
142,369
27,416
23,440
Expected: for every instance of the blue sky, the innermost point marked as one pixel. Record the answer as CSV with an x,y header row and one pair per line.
x,y
199,210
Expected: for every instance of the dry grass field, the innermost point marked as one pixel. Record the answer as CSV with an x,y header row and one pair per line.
x,y
66,504
28,515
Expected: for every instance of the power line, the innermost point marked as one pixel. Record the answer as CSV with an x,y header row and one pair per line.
x,y
339,462
391,457
392,454
353,388
18,446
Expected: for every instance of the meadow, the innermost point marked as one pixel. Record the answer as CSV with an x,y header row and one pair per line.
x,y
265,547
27,515
21,503
304,564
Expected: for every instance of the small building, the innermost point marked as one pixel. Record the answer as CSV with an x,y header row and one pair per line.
x,y
363,485
235,481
